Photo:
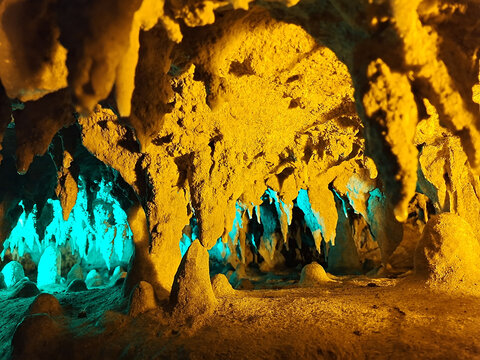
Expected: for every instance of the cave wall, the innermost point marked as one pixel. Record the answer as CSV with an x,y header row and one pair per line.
x,y
201,106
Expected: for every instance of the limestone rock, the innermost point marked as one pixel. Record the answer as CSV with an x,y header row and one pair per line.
x,y
12,273
24,289
142,299
117,274
448,254
313,274
37,124
221,286
67,187
93,279
192,294
45,304
200,134
77,285
49,266
36,337
75,273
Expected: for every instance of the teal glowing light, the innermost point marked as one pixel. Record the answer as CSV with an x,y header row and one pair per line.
x,y
49,266
12,273
220,251
23,236
185,243
237,222
281,207
344,206
100,237
312,218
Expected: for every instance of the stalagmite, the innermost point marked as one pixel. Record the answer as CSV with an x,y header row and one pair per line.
x,y
45,304
192,293
449,259
49,267
142,299
314,274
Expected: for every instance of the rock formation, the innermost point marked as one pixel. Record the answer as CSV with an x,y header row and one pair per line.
x,y
248,137
449,259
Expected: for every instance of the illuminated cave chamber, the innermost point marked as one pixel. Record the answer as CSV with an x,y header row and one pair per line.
x,y
322,154
269,243
88,238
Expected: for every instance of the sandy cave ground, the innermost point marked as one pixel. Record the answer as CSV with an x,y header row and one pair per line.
x,y
354,318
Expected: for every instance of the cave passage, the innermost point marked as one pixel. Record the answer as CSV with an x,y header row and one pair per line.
x,y
94,244
239,179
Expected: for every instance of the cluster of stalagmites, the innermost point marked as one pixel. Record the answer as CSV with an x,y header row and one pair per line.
x,y
13,279
202,107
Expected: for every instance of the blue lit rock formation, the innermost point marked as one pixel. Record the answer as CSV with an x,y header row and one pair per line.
x,y
12,273
49,266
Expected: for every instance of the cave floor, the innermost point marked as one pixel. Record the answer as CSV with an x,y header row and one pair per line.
x,y
356,318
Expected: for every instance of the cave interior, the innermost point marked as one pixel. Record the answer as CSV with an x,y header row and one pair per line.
x,y
207,179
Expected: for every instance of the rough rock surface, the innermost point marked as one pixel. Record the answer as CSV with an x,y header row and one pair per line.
x,y
75,273
448,254
93,279
142,299
221,287
77,285
24,289
205,105
45,304
37,336
313,274
192,294
12,273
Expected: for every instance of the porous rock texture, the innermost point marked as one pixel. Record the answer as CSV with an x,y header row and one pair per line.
x,y
75,273
448,254
313,274
192,294
221,287
202,105
77,285
45,304
37,336
24,289
142,299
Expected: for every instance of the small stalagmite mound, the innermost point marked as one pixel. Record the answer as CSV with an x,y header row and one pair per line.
x,y
24,289
118,274
12,273
75,273
37,337
192,294
448,254
93,279
77,286
45,304
221,286
142,299
313,274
